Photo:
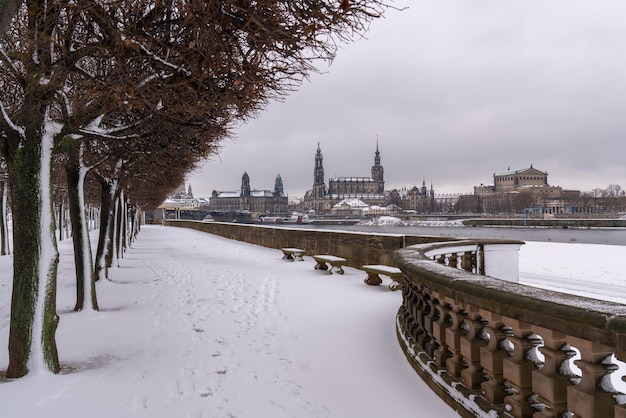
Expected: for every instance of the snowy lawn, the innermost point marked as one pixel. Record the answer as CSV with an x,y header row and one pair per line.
x,y
194,325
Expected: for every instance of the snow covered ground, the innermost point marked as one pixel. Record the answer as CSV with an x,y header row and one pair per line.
x,y
194,325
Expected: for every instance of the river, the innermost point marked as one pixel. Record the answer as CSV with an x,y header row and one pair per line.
x,y
574,235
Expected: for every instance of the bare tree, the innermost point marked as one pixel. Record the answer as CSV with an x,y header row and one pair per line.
x,y
113,70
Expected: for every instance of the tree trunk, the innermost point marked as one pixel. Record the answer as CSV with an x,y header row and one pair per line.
x,y
123,226
85,283
103,250
32,345
113,231
61,220
4,226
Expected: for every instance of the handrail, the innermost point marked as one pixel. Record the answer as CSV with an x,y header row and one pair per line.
x,y
491,346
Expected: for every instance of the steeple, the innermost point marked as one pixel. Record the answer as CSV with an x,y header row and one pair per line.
x,y
245,185
377,154
318,173
377,169
319,188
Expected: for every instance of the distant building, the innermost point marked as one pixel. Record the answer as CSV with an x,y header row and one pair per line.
x,y
181,204
251,200
370,190
524,189
419,200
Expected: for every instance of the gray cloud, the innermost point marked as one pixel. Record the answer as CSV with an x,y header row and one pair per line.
x,y
454,91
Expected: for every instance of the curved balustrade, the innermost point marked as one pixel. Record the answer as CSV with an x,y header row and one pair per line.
x,y
492,347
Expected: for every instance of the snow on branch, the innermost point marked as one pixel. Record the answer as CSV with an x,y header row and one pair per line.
x,y
8,59
159,59
19,129
94,128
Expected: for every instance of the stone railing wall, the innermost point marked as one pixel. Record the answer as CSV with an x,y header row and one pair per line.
x,y
494,348
497,259
358,248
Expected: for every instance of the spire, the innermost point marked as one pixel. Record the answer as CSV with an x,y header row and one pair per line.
x,y
377,169
318,173
377,154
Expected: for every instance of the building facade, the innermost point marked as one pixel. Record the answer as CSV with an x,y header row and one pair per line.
x,y
525,189
370,190
251,200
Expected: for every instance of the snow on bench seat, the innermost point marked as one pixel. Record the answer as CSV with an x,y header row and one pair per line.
x,y
373,278
293,253
328,262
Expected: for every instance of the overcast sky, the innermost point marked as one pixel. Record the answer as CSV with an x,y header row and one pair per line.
x,y
454,90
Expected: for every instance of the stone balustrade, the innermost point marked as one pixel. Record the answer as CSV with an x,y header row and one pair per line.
x,y
492,347
499,259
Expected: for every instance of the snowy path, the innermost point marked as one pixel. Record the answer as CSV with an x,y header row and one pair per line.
x,y
194,325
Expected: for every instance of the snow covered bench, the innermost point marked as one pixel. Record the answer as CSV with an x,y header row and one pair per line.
x,y
293,254
373,278
328,262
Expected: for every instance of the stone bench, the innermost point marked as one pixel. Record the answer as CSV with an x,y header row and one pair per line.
x,y
292,254
373,278
328,262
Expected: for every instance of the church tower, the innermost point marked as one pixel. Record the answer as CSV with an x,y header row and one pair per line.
x,y
278,187
245,185
378,171
319,188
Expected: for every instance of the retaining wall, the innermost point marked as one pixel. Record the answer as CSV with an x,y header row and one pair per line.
x,y
358,248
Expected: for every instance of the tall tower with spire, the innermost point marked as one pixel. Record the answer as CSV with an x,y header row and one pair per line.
x,y
378,171
319,187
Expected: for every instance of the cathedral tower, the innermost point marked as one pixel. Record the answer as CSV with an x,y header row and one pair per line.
x,y
319,188
245,185
278,186
378,171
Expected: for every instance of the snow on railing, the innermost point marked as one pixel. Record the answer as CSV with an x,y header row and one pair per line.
x,y
491,347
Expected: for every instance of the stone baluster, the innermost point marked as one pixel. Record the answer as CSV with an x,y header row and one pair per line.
x,y
453,338
453,260
468,261
429,320
548,382
424,340
491,358
411,297
409,300
471,342
518,368
415,313
441,353
588,399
